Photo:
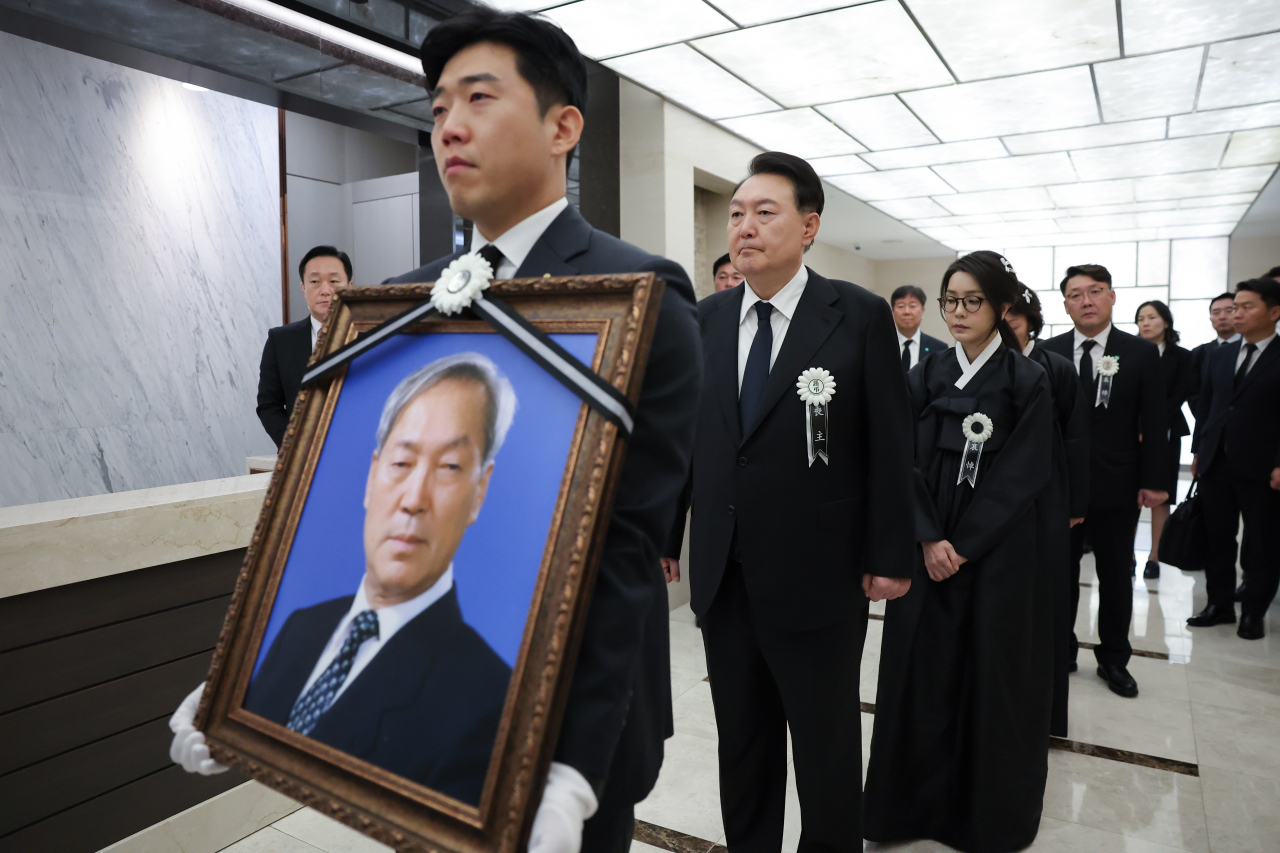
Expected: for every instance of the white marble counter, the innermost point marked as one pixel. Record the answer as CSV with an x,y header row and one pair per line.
x,y
62,542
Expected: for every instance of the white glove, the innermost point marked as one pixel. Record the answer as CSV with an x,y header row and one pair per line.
x,y
188,747
567,802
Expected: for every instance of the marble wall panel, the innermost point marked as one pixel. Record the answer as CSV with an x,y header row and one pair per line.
x,y
139,272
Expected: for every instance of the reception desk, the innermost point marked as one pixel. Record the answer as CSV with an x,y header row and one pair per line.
x,y
110,607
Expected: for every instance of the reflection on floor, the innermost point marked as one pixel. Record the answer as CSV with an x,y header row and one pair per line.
x,y
1193,763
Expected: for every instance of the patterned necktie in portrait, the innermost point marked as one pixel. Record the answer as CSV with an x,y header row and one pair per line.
x,y
312,704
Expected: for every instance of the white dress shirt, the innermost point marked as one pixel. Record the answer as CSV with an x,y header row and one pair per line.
x,y
390,620
315,330
516,242
915,345
1222,342
1031,344
1262,345
1160,346
968,370
1096,353
784,304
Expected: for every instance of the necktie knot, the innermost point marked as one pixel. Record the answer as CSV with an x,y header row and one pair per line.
x,y
1088,346
363,627
493,255
764,311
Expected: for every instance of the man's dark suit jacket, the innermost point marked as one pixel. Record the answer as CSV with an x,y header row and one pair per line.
x,y
1120,463
1246,421
928,344
1180,383
619,708
806,534
1199,356
284,360
426,707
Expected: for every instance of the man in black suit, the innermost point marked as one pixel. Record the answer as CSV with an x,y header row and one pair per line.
x,y
288,348
1124,387
793,527
724,275
908,313
392,674
1222,309
1237,447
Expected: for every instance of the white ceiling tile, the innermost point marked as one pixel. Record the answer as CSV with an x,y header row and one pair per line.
x,y
948,232
1167,156
1250,147
909,208
1153,263
1082,238
751,12
897,183
681,74
1047,100
1098,223
1098,192
817,59
1013,229
882,122
1033,170
930,155
1086,137
1033,267
997,201
937,221
1216,121
1241,72
1183,232
609,27
846,164
1213,200
1152,25
1217,182
801,132
1021,215
998,37
1146,86
1111,209
1194,216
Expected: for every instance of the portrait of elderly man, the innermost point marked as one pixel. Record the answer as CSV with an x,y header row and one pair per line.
x,y
392,674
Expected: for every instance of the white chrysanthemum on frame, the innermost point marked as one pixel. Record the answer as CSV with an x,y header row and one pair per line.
x,y
1108,365
977,428
460,283
816,386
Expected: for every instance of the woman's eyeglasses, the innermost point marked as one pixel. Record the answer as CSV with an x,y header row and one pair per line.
x,y
972,304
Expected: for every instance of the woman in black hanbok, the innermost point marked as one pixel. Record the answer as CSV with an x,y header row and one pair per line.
x,y
1062,505
959,752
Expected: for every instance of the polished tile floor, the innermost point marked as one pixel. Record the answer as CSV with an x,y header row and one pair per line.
x,y
1193,763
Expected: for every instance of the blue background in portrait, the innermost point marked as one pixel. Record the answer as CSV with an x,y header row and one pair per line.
x,y
496,566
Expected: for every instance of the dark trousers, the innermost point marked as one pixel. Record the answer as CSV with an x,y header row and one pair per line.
x,y
1110,531
609,830
764,677
1225,499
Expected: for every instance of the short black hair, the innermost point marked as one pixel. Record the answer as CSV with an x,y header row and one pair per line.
x,y
720,261
1267,288
1221,296
324,252
1170,335
1274,272
1027,306
546,57
906,290
805,182
1097,272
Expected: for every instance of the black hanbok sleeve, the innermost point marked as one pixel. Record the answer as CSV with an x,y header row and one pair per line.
x,y
928,525
1018,474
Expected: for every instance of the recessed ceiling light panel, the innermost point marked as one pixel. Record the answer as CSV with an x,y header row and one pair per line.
x,y
801,132
1115,222
603,28
1047,100
1086,137
847,164
1251,147
1167,156
1152,25
1145,86
910,208
681,74
1217,182
1242,72
1215,121
931,155
897,183
1194,216
878,123
996,201
1095,193
1214,200
751,12
1033,170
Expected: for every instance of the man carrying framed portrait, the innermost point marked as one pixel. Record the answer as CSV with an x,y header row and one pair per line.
x,y
508,92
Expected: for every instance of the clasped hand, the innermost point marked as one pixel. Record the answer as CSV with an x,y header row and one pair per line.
x,y
941,560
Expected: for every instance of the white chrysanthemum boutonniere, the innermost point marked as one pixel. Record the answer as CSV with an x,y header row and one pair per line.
x,y
816,387
977,429
460,283
1108,365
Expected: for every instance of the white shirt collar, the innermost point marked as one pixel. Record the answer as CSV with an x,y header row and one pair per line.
x,y
393,617
1262,344
1160,346
1100,339
784,301
902,339
1031,345
517,241
315,331
1235,336
967,370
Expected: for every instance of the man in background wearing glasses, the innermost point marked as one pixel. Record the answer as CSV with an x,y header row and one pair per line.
x,y
1128,437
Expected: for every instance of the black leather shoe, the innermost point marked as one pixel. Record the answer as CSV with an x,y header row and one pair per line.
x,y
1250,628
1213,615
1072,667
1119,680
1152,570
1240,592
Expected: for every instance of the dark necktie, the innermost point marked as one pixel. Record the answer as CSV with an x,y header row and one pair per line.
x,y
1249,350
312,704
1086,370
906,355
756,373
493,255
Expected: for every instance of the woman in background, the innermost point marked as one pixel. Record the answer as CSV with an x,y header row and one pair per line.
x,y
1155,323
959,752
1064,503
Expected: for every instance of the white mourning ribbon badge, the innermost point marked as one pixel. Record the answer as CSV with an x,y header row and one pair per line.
x,y
816,387
1108,367
977,429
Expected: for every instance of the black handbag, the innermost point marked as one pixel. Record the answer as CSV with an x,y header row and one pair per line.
x,y
1183,542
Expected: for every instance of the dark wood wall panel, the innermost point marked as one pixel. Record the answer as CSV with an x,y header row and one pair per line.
x,y
89,675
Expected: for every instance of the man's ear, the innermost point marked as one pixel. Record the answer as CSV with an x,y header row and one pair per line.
x,y
812,222
568,123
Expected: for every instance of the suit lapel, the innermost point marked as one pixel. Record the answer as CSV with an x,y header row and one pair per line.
x,y
721,353
1263,363
566,237
813,323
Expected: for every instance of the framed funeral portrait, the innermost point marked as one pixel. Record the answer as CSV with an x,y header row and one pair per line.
x,y
400,644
